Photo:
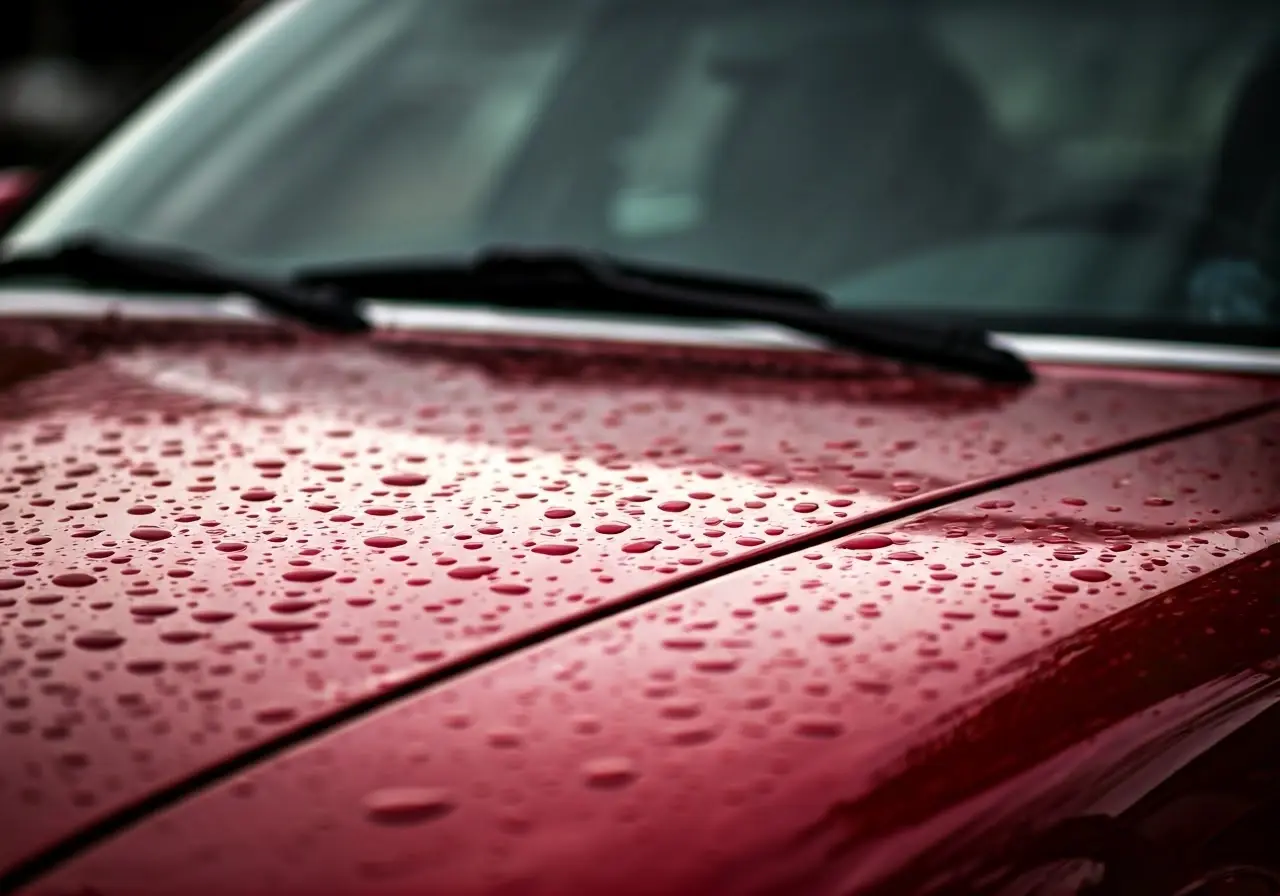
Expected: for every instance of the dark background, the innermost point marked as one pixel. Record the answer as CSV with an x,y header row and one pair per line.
x,y
68,65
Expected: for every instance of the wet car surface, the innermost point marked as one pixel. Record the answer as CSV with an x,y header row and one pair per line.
x,y
564,447
221,547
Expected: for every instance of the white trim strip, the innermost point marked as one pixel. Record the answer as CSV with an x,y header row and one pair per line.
x,y
1106,351
1042,349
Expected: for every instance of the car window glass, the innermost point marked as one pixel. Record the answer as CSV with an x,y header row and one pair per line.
x,y
847,144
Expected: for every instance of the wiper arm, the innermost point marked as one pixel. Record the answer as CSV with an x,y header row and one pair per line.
x,y
111,263
322,297
585,281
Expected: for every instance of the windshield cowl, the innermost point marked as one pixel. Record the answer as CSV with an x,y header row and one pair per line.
x,y
567,279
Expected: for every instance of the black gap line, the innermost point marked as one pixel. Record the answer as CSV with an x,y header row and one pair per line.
x,y
44,861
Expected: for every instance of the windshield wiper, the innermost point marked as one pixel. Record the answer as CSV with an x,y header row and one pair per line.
x,y
114,264
585,281
324,297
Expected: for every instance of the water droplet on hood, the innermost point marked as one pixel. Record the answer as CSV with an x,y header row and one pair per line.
x,y
150,533
98,640
470,573
308,574
866,542
819,726
282,626
408,805
384,541
610,772
74,580
555,550
257,494
404,480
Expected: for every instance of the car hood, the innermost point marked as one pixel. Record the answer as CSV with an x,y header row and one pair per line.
x,y
219,541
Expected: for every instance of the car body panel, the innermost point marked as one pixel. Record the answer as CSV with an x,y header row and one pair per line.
x,y
201,521
894,711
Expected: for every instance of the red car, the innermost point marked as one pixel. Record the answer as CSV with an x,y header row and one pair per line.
x,y
654,447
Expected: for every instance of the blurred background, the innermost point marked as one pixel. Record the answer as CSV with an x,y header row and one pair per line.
x,y
66,65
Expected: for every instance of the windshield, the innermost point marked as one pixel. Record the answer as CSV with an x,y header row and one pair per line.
x,y
1061,162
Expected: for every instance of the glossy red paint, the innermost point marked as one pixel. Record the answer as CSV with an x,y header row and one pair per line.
x,y
222,546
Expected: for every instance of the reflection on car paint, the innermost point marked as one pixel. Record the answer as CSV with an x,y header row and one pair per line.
x,y
229,540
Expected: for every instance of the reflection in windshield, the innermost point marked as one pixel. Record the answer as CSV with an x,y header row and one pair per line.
x,y
1054,159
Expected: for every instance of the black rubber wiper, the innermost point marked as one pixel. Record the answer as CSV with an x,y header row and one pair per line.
x,y
115,264
585,281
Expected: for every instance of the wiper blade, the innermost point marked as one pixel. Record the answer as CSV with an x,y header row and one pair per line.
x,y
116,264
586,281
